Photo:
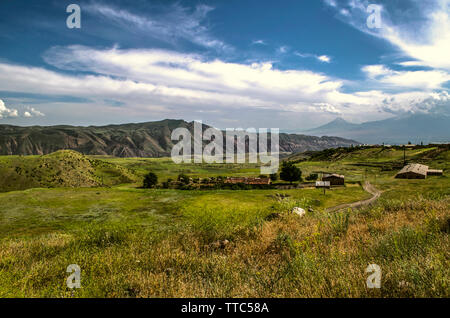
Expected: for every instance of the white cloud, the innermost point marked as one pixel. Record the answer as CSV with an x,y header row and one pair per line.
x,y
325,107
345,12
7,112
424,36
259,42
433,52
176,23
324,58
161,81
410,63
31,112
320,58
425,80
374,71
331,3
184,71
282,49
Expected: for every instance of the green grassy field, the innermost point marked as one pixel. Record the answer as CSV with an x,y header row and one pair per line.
x,y
132,242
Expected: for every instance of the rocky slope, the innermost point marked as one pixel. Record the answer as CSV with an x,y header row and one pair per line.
x,y
150,139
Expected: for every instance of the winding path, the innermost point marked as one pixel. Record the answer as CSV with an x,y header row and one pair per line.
x,y
367,187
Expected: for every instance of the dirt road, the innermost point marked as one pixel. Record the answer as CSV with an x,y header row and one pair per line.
x,y
367,187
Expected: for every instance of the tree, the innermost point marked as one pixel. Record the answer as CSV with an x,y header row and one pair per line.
x,y
274,177
150,180
289,172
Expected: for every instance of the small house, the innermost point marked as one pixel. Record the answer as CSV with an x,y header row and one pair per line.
x,y
334,179
413,171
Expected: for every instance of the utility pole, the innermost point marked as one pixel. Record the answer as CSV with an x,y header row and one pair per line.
x,y
404,155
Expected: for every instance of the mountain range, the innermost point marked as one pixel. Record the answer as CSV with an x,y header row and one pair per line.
x,y
414,128
149,139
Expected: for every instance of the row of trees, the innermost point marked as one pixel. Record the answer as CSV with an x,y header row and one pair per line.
x,y
289,172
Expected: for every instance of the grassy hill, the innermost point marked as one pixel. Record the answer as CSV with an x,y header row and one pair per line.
x,y
64,168
133,242
387,157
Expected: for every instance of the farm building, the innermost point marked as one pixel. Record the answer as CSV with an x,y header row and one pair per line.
x,y
334,179
434,172
323,184
413,171
247,180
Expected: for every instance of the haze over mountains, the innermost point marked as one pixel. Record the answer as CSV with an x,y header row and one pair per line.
x,y
150,139
415,128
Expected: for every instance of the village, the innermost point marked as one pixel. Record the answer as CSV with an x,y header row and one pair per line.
x,y
288,178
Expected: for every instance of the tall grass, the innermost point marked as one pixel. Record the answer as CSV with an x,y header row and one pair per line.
x,y
318,255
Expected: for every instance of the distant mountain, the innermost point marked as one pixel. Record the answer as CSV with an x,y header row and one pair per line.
x,y
415,128
338,124
150,139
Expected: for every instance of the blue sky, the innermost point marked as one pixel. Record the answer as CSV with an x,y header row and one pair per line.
x,y
236,63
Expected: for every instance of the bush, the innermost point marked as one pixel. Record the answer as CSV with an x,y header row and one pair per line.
x,y
150,180
274,177
312,177
183,178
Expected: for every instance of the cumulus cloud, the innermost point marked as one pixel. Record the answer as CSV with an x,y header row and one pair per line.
x,y
434,103
7,112
426,80
31,112
161,80
167,72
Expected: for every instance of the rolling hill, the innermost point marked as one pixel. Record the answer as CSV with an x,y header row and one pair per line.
x,y
150,139
64,168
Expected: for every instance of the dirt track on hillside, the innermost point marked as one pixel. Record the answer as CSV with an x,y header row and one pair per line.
x,y
367,187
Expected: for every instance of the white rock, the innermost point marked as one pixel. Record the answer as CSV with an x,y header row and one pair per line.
x,y
298,211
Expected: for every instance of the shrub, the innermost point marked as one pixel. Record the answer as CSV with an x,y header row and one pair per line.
x,y
183,178
312,177
338,222
150,180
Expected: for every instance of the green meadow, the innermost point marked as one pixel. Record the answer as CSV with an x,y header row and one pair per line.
x,y
134,242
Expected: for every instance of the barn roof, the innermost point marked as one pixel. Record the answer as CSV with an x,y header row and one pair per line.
x,y
414,168
328,175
